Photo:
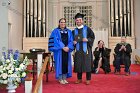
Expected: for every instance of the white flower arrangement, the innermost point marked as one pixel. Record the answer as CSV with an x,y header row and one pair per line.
x,y
11,68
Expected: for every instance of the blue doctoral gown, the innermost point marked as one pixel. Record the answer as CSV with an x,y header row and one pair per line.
x,y
56,45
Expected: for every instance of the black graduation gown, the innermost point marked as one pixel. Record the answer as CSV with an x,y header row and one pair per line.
x,y
122,54
79,64
64,37
105,54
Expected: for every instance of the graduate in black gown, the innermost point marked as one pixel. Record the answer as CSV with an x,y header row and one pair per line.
x,y
122,56
61,44
83,41
102,56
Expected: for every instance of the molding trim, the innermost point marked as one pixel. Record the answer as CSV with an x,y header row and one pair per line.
x,y
77,1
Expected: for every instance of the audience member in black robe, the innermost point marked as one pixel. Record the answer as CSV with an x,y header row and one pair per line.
x,y
102,56
122,56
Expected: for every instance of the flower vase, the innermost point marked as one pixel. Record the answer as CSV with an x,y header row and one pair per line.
x,y
11,87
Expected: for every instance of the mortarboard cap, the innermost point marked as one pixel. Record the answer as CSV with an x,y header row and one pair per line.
x,y
78,15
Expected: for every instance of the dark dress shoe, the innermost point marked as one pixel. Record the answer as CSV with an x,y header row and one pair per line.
x,y
117,73
78,81
127,74
87,82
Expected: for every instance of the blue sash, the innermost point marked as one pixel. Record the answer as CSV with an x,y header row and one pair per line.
x,y
84,32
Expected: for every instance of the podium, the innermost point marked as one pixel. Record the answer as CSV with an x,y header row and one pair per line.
x,y
39,55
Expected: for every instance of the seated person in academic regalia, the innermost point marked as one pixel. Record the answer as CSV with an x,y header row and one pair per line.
x,y
122,56
61,44
102,56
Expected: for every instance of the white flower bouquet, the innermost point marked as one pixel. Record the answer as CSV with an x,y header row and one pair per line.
x,y
11,68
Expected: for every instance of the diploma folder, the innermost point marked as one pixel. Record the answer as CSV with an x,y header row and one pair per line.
x,y
78,37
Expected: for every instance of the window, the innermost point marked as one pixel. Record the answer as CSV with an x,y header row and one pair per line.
x,y
71,11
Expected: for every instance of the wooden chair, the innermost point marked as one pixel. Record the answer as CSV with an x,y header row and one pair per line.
x,y
121,65
137,59
52,64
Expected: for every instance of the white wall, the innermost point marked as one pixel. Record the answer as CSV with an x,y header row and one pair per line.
x,y
100,34
15,19
137,22
3,24
54,12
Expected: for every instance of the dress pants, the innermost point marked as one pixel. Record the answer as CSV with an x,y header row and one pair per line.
x,y
88,75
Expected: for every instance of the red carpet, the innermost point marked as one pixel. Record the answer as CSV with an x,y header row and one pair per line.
x,y
100,83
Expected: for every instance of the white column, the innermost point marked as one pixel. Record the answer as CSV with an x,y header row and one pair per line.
x,y
39,16
24,17
3,24
28,86
116,11
47,18
132,18
35,16
39,66
31,16
55,15
28,18
121,16
125,16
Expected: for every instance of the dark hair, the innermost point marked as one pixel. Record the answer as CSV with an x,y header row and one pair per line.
x,y
100,41
60,21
